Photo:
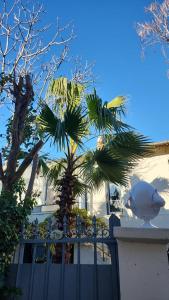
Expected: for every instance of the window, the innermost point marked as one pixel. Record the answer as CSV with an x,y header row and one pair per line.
x,y
114,198
83,200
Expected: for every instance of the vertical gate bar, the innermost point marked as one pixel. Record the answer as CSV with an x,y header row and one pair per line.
x,y
48,261
20,261
35,235
13,257
32,272
78,272
103,257
114,221
62,272
64,245
115,270
96,293
78,233
46,281
20,255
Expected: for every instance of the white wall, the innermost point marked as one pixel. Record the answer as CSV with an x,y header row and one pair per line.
x,y
40,187
154,170
143,263
87,254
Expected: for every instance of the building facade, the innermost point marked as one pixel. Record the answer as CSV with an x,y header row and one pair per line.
x,y
110,198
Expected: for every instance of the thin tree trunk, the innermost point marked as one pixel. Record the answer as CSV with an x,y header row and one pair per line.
x,y
27,161
6,184
32,177
23,95
46,191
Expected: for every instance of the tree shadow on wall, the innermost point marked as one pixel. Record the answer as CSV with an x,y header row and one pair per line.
x,y
160,183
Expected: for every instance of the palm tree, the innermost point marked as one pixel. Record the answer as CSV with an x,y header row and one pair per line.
x,y
72,121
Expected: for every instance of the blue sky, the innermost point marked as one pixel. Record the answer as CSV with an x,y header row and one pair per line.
x,y
106,34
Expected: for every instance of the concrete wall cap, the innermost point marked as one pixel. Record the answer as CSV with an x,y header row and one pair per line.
x,y
142,235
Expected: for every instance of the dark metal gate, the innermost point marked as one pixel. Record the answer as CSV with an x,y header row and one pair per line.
x,y
76,264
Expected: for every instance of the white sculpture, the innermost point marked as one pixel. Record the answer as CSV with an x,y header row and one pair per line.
x,y
145,202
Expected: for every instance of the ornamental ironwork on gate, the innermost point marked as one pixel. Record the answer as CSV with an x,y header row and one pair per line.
x,y
77,263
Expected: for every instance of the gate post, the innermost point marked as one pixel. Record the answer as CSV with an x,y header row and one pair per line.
x,y
114,221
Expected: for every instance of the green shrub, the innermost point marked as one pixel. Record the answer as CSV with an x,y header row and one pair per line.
x,y
13,215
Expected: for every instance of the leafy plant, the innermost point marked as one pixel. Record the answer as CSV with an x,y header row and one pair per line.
x,y
13,214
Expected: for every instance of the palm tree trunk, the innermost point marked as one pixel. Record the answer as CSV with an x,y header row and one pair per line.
x,y
66,197
66,201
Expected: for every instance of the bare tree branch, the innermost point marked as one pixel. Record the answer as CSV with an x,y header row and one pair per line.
x,y
83,72
156,31
26,47
22,46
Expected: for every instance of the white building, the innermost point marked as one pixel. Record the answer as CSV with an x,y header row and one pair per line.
x,y
110,198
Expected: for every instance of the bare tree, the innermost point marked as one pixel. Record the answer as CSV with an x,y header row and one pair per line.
x,y
26,60
22,47
82,73
156,30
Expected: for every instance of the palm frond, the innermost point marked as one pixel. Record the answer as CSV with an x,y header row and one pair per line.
x,y
79,187
72,125
42,165
55,172
47,121
66,91
130,145
116,159
75,124
116,102
102,165
102,116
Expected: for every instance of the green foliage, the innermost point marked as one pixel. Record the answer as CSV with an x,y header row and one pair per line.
x,y
6,292
13,214
42,164
72,125
30,134
129,145
86,218
55,171
4,79
101,165
115,160
66,91
79,186
42,229
102,117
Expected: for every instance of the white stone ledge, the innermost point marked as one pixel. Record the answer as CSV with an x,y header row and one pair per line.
x,y
142,235
49,208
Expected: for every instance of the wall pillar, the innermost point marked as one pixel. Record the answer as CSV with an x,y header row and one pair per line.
x,y
143,263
